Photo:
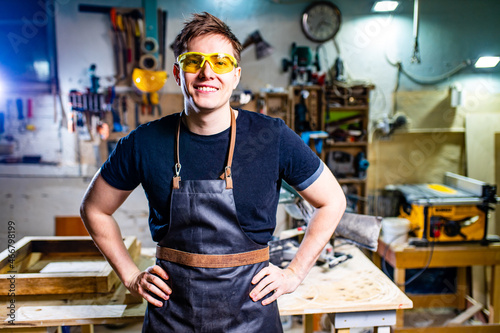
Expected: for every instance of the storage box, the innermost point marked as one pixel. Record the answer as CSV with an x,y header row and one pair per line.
x,y
58,265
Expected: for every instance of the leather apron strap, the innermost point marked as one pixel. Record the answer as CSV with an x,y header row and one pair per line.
x,y
212,260
227,170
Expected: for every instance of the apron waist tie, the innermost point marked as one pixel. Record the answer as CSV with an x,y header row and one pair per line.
x,y
212,260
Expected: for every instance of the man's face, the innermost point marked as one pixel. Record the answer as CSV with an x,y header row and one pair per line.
x,y
206,91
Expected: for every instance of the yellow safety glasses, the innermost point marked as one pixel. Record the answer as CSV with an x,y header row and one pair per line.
x,y
221,63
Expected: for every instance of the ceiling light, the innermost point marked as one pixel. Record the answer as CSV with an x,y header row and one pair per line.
x,y
384,6
487,62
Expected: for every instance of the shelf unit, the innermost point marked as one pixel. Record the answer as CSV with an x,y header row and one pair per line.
x,y
346,117
276,104
313,105
343,112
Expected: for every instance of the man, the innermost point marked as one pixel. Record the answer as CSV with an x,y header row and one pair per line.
x,y
212,177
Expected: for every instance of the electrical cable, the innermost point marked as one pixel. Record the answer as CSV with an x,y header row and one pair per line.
x,y
426,80
416,275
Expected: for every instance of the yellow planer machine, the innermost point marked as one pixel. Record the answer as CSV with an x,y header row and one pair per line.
x,y
456,211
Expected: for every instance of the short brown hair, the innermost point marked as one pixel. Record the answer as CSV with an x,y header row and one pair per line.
x,y
204,24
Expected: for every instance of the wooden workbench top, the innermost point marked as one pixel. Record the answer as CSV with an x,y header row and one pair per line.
x,y
353,286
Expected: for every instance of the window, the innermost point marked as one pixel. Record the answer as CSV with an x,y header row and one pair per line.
x,y
27,45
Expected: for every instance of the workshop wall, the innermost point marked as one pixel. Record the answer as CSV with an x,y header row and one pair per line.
x,y
371,46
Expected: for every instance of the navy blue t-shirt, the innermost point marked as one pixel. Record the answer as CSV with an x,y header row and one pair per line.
x,y
266,151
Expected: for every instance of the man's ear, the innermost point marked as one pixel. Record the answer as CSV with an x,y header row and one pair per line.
x,y
177,72
237,74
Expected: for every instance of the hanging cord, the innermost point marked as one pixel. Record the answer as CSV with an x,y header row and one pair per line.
x,y
415,276
426,80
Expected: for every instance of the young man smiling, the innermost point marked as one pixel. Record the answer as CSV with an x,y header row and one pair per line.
x,y
212,176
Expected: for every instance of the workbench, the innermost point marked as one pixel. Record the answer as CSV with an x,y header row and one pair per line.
x,y
460,255
356,294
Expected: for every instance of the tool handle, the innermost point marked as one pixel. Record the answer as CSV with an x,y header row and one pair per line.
x,y
2,122
19,104
29,112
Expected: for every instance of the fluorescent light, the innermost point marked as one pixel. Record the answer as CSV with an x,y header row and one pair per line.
x,y
486,62
385,6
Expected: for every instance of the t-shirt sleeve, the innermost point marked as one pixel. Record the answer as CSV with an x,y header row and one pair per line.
x,y
120,169
299,165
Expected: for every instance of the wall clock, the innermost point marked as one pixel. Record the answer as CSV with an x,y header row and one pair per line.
x,y
321,21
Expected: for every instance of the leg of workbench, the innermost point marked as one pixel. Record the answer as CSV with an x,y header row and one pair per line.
x,y
308,323
494,306
462,287
400,279
376,259
87,328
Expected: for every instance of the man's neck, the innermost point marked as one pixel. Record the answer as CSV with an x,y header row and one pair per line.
x,y
207,123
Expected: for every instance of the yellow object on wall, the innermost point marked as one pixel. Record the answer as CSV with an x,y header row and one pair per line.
x,y
148,81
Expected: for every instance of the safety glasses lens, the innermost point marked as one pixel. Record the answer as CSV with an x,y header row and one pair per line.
x,y
192,62
221,64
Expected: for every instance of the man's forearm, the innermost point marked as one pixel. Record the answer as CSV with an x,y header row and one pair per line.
x,y
318,233
107,237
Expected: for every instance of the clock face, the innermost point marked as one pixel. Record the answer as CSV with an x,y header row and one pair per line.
x,y
321,21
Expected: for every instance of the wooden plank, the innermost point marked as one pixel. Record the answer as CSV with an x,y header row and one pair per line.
x,y
68,313
429,109
22,249
435,300
480,143
25,330
467,314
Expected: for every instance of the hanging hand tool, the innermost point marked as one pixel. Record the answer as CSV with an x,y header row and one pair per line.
x,y
29,114
137,28
9,114
124,48
163,39
137,123
19,105
2,123
124,113
129,25
120,74
20,115
117,126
